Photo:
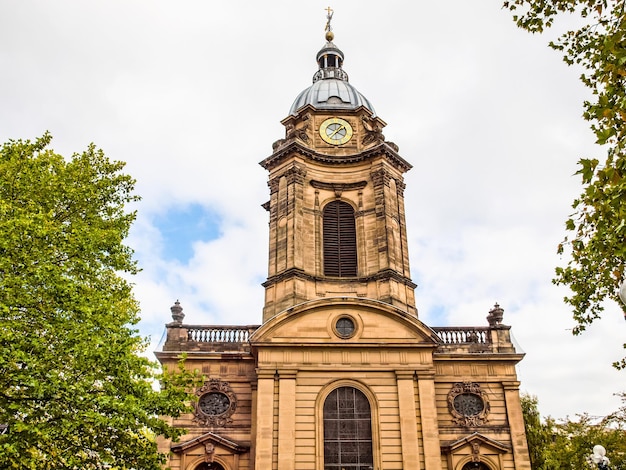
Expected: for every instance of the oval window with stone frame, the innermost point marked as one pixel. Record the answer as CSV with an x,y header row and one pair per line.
x,y
345,327
216,404
468,404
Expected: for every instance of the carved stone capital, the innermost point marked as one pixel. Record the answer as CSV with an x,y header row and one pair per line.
x,y
380,177
273,184
401,186
295,174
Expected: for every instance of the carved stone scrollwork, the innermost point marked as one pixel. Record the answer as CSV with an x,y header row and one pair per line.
x,y
294,130
276,145
468,404
373,131
216,404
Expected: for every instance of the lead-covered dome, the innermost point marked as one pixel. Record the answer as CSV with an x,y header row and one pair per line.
x,y
331,89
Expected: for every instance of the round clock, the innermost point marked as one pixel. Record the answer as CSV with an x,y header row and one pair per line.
x,y
336,131
468,404
214,403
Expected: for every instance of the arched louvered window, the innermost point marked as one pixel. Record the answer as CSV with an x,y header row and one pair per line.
x,y
339,240
347,430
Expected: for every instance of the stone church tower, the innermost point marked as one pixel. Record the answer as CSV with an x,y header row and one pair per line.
x,y
342,374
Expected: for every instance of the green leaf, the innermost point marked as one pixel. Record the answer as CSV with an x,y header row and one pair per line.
x,y
76,390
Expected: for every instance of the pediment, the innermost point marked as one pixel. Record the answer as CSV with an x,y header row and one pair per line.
x,y
211,438
474,441
313,323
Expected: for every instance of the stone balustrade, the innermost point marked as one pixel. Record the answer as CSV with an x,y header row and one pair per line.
x,y
219,333
463,334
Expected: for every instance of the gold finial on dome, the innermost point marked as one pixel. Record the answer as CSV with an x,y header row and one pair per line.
x,y
328,28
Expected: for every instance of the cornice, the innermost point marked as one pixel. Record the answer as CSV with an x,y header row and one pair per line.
x,y
381,275
294,146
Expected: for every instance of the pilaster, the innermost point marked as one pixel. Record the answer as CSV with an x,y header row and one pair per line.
x,y
430,428
264,420
286,419
516,424
408,419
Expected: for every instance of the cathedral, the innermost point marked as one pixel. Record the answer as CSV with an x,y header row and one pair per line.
x,y
341,374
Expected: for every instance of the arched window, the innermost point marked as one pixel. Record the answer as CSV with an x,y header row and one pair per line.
x,y
209,466
475,466
347,430
339,240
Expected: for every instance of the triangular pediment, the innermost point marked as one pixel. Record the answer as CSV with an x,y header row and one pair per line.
x,y
476,439
212,438
376,323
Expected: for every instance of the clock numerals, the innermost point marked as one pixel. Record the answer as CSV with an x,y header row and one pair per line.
x,y
336,131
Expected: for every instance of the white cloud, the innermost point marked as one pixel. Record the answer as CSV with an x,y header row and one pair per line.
x,y
190,95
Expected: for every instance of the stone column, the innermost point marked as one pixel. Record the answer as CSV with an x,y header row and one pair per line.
x,y
430,425
516,424
264,419
408,419
287,419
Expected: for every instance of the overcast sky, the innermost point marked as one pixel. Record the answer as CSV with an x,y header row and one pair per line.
x,y
190,93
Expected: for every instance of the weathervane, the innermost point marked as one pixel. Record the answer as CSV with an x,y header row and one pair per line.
x,y
328,28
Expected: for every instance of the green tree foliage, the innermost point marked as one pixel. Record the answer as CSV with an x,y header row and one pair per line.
x,y
596,236
567,444
75,391
537,434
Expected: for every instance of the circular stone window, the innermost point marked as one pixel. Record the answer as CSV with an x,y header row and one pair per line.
x,y
469,404
345,327
214,403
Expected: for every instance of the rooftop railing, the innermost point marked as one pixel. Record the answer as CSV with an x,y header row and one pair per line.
x,y
463,334
219,333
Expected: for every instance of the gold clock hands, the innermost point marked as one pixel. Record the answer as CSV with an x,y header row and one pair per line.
x,y
337,130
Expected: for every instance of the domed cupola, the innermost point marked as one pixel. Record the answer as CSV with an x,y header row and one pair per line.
x,y
331,89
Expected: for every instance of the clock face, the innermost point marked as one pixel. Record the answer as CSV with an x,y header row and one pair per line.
x,y
336,131
213,403
468,404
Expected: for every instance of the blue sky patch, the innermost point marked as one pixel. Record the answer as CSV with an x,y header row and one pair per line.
x,y
180,227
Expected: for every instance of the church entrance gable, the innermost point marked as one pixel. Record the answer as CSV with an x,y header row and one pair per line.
x,y
210,451
476,452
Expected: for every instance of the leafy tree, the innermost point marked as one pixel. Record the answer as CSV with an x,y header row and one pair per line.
x,y
597,228
75,391
537,434
567,444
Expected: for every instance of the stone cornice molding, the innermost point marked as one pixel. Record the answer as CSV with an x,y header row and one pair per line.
x,y
300,274
384,148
